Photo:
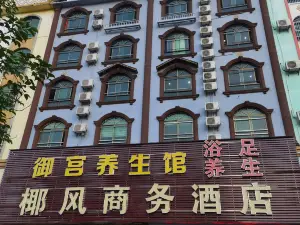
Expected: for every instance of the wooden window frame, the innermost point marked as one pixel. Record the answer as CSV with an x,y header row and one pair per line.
x,y
247,104
106,74
249,9
178,109
173,64
108,44
99,122
253,36
42,124
60,47
259,74
123,4
164,7
177,29
49,86
65,19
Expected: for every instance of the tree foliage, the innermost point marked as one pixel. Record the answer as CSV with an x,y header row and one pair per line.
x,y
26,69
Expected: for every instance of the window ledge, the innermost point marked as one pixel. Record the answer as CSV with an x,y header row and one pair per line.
x,y
228,93
119,27
191,54
241,49
177,20
67,68
114,61
2,163
250,10
131,101
161,99
72,33
56,107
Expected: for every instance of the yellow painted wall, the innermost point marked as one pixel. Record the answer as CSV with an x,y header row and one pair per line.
x,y
37,45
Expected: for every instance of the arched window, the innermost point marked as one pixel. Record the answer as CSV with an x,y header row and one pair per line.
x,y
33,22
237,36
121,49
52,135
178,127
23,50
19,53
113,130
60,94
69,56
125,14
177,43
297,26
175,7
229,7
118,88
250,122
178,83
76,22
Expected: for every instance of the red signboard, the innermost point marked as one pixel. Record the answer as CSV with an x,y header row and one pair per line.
x,y
192,182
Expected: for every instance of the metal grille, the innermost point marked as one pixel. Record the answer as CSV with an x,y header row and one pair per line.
x,y
297,26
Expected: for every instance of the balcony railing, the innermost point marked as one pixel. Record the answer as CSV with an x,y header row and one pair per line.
x,y
22,3
171,20
122,26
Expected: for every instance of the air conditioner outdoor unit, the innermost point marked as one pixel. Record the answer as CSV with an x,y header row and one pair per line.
x,y
98,13
83,111
207,54
204,10
293,66
207,42
87,84
80,128
209,77
213,121
214,137
283,25
205,20
92,58
85,97
206,31
204,2
212,106
93,46
210,87
97,24
208,66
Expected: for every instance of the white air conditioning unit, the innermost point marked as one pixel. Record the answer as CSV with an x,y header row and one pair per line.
x,y
293,66
210,87
207,42
205,20
209,77
212,106
207,54
206,31
98,13
92,58
93,46
80,128
85,97
97,24
83,111
213,121
208,66
298,115
87,84
283,25
214,137
204,10
204,2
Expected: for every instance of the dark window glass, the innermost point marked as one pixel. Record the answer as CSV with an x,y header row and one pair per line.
x,y
176,7
297,27
21,51
33,22
52,135
60,94
178,83
125,14
113,130
177,43
121,49
250,123
118,88
76,22
237,36
233,5
69,56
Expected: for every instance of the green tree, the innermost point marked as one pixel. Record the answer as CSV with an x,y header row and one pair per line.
x,y
14,30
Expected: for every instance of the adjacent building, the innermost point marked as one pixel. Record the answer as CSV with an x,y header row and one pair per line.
x,y
39,13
